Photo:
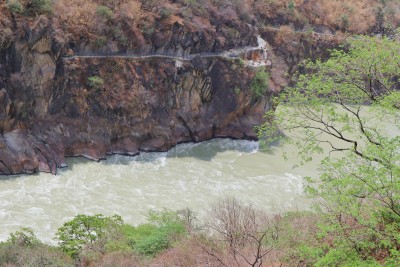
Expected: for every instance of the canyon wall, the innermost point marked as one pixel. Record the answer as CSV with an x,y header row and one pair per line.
x,y
55,106
194,76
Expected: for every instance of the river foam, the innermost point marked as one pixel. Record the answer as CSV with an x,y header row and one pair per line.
x,y
189,175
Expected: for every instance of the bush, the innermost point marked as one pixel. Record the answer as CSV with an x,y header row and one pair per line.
x,y
104,12
164,12
147,29
162,229
189,2
24,249
38,256
298,239
95,82
259,84
237,90
15,7
150,240
42,6
100,41
291,5
24,237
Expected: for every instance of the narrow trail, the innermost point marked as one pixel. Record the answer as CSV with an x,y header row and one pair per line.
x,y
230,54
147,55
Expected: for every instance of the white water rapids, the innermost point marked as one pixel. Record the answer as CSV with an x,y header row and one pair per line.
x,y
189,175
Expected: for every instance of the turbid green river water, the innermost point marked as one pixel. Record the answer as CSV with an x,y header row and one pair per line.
x,y
189,175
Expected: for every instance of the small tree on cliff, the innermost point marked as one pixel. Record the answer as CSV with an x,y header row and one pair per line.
x,y
259,84
95,82
358,192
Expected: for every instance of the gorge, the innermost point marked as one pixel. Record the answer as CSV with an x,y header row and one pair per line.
x,y
167,132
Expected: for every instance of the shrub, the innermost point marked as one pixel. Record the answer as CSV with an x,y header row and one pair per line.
x,y
147,28
6,37
164,12
189,2
151,240
95,82
298,239
119,34
117,259
24,249
237,90
162,229
38,256
104,12
100,41
344,21
15,7
24,237
42,6
291,5
259,84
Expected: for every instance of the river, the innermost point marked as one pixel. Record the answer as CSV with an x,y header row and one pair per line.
x,y
189,175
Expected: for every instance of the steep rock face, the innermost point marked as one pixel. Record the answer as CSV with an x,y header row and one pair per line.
x,y
144,105
51,109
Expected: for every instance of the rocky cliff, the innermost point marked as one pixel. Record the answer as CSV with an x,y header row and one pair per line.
x,y
55,104
144,105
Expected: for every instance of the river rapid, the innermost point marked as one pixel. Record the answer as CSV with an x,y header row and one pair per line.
x,y
188,176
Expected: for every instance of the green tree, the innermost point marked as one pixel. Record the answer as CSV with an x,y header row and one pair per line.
x,y
349,105
85,230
